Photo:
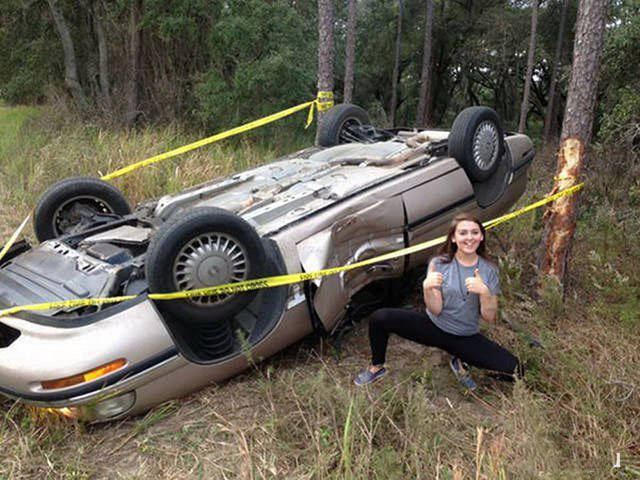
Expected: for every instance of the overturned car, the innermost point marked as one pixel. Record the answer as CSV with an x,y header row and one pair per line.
x,y
360,193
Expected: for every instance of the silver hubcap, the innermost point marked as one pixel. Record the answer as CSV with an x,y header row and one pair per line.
x,y
76,209
207,260
485,145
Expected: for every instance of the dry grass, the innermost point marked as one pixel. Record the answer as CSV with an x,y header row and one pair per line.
x,y
299,416
51,148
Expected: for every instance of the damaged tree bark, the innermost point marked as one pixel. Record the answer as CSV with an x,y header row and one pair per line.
x,y
576,135
561,215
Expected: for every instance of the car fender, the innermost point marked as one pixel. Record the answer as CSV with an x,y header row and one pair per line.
x,y
45,352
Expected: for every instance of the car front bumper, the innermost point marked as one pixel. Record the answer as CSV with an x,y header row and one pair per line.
x,y
135,336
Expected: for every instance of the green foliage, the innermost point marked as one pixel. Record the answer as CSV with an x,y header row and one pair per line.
x,y
263,61
621,122
620,109
180,19
387,464
548,29
30,53
11,122
216,64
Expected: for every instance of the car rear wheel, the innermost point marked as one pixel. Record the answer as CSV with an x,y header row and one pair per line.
x,y
476,141
337,123
206,247
75,200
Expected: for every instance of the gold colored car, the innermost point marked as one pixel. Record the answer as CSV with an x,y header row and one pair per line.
x,y
360,193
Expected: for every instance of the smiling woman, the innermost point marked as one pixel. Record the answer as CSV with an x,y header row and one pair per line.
x,y
460,289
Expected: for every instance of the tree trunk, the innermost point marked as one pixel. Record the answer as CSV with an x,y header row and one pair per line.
x,y
71,78
325,51
396,69
576,135
524,109
134,101
549,118
423,115
105,86
350,53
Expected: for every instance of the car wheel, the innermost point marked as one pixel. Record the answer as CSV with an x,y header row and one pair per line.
x,y
68,203
476,141
206,247
337,121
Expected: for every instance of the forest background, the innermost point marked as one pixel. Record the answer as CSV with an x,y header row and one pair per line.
x,y
216,64
155,74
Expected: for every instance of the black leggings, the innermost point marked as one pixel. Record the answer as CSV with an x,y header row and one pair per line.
x,y
476,350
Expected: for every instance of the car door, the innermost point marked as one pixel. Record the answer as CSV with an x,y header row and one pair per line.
x,y
372,230
431,205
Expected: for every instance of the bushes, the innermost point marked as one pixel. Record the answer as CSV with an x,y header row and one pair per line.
x,y
262,62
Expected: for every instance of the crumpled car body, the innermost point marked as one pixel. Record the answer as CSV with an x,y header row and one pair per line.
x,y
317,208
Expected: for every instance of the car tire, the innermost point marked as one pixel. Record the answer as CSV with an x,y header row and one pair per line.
x,y
205,247
53,215
336,122
476,141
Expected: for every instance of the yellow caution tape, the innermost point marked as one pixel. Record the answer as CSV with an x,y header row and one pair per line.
x,y
276,281
324,101
215,138
533,206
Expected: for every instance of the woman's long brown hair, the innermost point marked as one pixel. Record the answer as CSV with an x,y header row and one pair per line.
x,y
449,248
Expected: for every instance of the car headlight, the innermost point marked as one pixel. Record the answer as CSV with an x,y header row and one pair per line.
x,y
113,406
102,410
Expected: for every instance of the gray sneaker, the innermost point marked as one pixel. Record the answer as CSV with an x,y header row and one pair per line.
x,y
366,376
460,370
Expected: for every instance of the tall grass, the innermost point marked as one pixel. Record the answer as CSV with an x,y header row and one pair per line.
x,y
299,416
39,147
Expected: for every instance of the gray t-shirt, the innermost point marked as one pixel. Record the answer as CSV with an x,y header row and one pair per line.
x,y
460,313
